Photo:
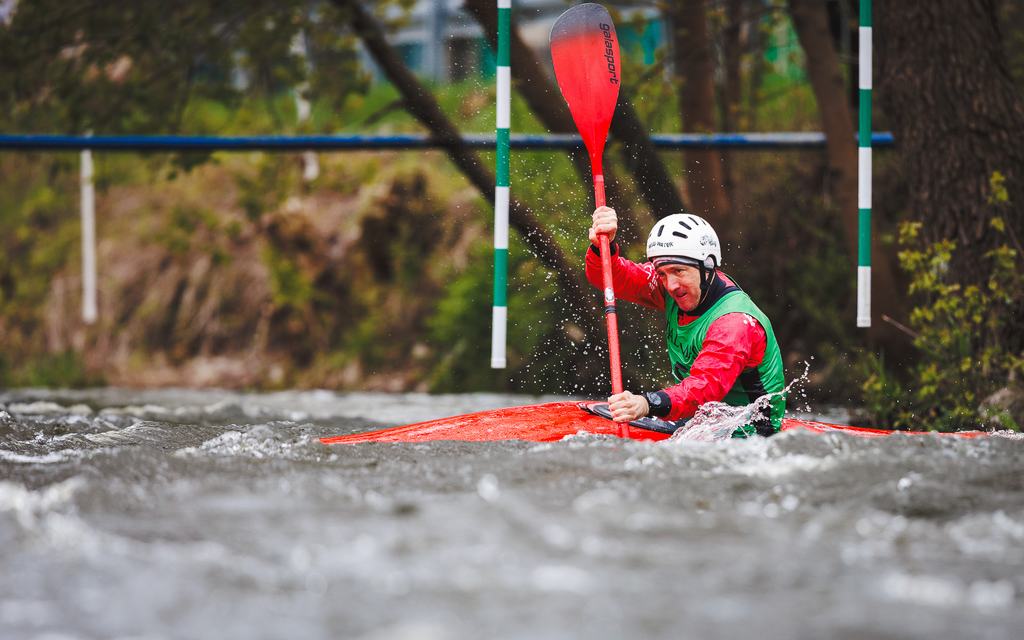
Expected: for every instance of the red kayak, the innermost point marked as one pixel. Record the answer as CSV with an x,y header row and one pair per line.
x,y
556,420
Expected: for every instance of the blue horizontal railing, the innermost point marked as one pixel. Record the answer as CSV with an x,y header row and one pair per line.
x,y
751,141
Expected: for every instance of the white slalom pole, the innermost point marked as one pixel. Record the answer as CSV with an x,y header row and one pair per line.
x,y
864,171
89,313
499,312
303,109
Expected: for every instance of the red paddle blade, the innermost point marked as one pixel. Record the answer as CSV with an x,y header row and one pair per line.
x,y
585,52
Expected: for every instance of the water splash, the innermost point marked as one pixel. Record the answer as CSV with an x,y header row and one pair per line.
x,y
716,421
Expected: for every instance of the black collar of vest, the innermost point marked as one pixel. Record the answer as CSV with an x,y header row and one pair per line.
x,y
716,290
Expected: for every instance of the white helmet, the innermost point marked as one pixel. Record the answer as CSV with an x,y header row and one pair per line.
x,y
685,239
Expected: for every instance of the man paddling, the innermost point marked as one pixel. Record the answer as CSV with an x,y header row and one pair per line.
x,y
721,346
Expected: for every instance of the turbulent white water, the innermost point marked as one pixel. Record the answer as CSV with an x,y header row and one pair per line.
x,y
187,514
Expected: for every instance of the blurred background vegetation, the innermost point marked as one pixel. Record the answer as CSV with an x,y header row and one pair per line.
x,y
244,270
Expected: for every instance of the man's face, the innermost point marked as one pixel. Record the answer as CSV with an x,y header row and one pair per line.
x,y
682,283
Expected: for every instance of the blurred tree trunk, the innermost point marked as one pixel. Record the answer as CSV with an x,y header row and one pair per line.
x,y
542,94
945,84
641,156
825,73
757,67
694,72
733,46
946,88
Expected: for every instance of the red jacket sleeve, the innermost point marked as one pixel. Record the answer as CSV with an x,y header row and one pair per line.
x,y
633,282
735,342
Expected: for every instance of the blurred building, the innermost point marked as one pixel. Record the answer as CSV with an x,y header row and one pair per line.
x,y
442,42
7,10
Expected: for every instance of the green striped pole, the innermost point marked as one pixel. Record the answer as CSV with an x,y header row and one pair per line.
x,y
864,172
499,313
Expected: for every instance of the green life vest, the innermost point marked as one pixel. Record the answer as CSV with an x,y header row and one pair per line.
x,y
686,341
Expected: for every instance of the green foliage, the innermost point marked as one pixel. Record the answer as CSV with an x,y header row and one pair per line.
x,y
289,285
112,68
265,188
460,327
184,224
960,332
64,369
1011,22
37,239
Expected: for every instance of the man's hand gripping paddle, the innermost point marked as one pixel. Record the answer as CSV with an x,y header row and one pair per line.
x,y
585,52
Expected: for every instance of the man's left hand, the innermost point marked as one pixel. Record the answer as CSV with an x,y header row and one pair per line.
x,y
627,406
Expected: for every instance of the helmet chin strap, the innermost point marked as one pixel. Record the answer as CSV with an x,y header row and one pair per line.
x,y
707,276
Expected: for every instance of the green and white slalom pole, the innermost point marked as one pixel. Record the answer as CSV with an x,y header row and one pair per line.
x,y
864,171
499,314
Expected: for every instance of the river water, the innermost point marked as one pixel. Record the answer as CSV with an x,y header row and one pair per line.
x,y
210,514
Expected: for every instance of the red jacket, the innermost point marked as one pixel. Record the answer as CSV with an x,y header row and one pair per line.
x,y
733,343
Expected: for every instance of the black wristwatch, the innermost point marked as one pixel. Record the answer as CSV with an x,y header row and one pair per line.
x,y
658,403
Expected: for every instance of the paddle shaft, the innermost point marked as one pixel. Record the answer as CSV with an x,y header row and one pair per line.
x,y
610,313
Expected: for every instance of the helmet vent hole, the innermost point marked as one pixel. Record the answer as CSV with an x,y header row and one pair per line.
x,y
685,226
695,221
680,234
661,230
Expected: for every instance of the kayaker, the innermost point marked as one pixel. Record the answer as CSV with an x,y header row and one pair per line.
x,y
720,345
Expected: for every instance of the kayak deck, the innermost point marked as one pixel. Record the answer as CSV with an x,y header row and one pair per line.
x,y
550,422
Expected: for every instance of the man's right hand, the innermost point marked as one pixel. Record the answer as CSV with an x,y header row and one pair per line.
x,y
604,222
627,406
